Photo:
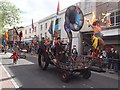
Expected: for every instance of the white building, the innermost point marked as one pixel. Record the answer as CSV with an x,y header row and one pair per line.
x,y
28,32
43,25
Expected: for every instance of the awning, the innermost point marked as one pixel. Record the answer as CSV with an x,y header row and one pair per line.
x,y
111,32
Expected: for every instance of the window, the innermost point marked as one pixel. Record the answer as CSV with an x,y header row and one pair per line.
x,y
41,27
30,30
25,31
115,18
41,35
35,29
46,25
88,7
45,34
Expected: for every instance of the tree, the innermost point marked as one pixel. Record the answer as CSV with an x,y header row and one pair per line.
x,y
9,14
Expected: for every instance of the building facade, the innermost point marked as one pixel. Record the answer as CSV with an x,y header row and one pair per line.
x,y
13,35
111,34
82,38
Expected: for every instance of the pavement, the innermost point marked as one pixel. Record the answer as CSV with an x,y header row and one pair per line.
x,y
6,80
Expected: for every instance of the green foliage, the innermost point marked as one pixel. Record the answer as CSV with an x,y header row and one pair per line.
x,y
9,14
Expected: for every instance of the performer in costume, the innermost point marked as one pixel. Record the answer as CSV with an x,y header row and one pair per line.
x,y
97,36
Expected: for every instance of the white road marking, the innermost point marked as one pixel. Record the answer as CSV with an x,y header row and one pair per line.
x,y
12,80
19,62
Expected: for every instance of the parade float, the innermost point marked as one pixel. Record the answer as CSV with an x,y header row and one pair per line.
x,y
68,66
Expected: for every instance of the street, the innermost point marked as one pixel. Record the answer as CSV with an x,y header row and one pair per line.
x,y
27,74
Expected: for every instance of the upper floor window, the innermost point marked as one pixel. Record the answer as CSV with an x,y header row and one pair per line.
x,y
88,7
115,18
45,34
25,31
41,27
46,25
35,29
30,30
41,35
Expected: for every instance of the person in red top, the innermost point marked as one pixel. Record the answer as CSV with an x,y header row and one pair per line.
x,y
15,57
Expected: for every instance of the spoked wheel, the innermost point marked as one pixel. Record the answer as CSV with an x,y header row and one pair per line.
x,y
65,76
86,74
11,56
43,64
22,56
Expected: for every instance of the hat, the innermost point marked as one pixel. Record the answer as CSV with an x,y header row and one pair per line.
x,y
58,38
74,45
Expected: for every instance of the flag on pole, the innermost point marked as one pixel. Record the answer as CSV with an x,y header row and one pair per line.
x,y
50,30
56,25
32,26
16,31
58,8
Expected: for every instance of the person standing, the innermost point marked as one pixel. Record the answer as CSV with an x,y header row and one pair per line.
x,y
110,59
15,57
15,53
104,53
59,50
116,61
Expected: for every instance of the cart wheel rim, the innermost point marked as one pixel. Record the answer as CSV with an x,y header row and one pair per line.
x,y
42,61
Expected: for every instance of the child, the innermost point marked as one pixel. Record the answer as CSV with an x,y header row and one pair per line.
x,y
15,57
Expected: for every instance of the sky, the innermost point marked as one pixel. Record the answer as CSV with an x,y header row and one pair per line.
x,y
39,9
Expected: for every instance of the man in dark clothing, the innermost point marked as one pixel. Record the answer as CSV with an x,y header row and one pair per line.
x,y
116,61
111,57
59,50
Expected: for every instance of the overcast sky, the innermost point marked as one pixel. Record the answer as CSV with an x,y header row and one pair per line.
x,y
39,9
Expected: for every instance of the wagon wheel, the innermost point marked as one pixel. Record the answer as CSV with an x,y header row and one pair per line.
x,y
24,56
86,74
43,64
65,76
